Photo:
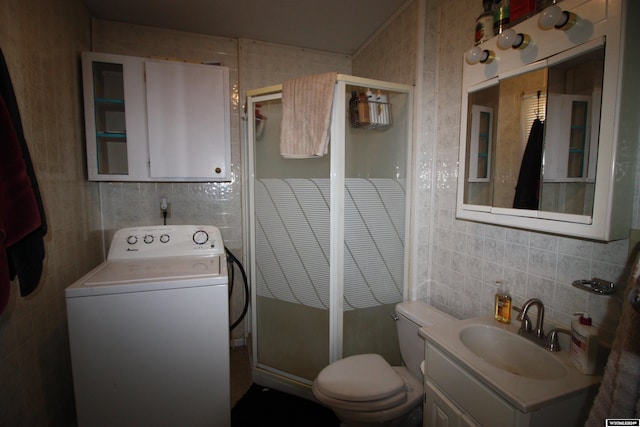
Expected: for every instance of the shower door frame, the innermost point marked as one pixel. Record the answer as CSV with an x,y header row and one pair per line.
x,y
268,375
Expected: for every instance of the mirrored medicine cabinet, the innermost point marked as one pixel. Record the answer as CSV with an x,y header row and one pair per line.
x,y
542,140
532,138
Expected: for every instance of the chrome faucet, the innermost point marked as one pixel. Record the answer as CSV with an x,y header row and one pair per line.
x,y
550,342
525,327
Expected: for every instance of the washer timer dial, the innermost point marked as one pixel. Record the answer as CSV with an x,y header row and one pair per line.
x,y
200,237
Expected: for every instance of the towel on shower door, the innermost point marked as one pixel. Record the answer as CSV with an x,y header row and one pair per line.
x,y
306,116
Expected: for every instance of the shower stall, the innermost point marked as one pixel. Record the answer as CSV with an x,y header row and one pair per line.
x,y
328,236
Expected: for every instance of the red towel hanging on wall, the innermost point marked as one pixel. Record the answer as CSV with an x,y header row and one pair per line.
x,y
22,220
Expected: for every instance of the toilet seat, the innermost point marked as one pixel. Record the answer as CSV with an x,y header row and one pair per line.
x,y
364,382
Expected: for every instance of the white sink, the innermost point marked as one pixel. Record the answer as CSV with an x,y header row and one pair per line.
x,y
521,372
511,352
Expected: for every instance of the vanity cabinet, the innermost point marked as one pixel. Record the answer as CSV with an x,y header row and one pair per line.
x,y
573,172
155,120
454,397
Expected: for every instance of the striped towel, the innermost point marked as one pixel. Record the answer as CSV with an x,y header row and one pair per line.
x,y
306,116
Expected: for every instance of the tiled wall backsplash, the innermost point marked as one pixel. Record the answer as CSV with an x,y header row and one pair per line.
x,y
138,203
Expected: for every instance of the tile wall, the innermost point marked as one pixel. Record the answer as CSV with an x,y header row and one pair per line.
x,y
41,41
391,54
264,64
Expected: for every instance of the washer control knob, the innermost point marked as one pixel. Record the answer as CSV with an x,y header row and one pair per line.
x,y
200,237
132,240
164,238
148,238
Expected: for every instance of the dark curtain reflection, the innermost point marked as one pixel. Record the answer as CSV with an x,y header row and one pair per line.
x,y
528,187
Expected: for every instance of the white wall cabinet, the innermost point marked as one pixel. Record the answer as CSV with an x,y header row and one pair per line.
x,y
155,120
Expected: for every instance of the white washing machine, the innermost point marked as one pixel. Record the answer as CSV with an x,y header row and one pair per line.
x,y
149,331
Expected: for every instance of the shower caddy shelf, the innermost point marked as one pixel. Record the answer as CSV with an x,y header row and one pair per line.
x,y
371,115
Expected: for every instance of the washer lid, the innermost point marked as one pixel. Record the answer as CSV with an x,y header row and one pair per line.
x,y
361,378
150,274
156,269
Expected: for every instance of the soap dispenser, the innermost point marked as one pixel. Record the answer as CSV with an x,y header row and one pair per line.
x,y
584,344
502,304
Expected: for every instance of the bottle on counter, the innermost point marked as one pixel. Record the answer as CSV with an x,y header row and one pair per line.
x,y
501,10
484,23
502,304
584,344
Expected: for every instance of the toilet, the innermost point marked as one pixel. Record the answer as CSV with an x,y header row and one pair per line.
x,y
364,390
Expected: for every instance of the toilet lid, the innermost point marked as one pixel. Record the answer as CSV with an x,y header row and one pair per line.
x,y
360,378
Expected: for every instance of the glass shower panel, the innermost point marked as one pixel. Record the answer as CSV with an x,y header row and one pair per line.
x,y
374,224
291,254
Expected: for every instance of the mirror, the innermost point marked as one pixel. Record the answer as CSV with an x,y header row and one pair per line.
x,y
532,138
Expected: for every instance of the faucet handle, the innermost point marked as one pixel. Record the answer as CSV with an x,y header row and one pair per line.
x,y
552,342
526,323
522,317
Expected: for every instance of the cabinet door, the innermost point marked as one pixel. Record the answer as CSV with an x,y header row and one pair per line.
x,y
188,121
115,123
440,411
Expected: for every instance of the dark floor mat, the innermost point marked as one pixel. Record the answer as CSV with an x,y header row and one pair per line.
x,y
262,406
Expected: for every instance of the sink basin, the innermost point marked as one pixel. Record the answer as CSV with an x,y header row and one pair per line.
x,y
510,352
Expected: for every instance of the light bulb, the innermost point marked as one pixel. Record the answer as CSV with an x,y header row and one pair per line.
x,y
476,54
509,38
554,17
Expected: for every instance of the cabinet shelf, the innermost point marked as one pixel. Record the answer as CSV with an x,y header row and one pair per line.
x,y
117,101
112,135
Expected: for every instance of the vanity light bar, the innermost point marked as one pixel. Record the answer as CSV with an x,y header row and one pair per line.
x,y
551,17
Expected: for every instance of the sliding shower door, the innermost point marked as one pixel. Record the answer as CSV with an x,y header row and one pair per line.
x,y
328,250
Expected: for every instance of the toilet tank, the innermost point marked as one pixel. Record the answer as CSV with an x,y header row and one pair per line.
x,y
412,315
